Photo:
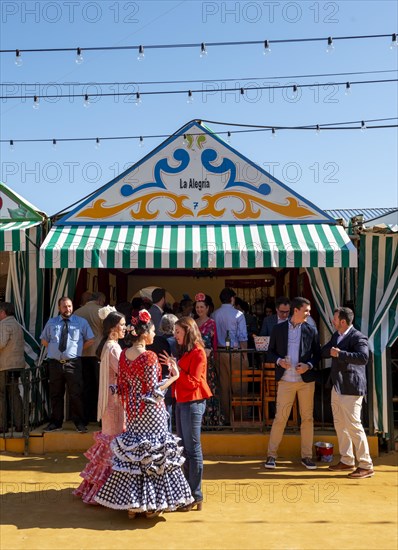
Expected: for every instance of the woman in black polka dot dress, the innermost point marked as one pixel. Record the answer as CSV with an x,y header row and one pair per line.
x,y
146,474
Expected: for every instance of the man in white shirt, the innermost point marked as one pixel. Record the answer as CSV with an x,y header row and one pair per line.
x,y
229,319
294,348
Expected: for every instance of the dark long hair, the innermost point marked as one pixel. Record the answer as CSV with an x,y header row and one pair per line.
x,y
140,328
192,335
109,323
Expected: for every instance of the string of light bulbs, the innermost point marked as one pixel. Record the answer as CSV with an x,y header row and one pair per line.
x,y
361,125
190,93
202,46
203,81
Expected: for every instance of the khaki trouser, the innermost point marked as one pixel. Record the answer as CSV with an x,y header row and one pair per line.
x,y
284,401
347,423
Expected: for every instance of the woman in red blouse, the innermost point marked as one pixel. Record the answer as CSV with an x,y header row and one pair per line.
x,y
191,392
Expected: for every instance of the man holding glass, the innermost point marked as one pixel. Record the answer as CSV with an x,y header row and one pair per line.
x,y
294,348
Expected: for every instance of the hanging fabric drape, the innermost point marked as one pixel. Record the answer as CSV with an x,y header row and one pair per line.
x,y
377,312
325,295
25,283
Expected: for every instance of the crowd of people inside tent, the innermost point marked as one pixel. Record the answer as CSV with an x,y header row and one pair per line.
x,y
145,370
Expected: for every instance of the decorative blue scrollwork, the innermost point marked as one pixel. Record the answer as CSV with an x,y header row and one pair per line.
x,y
210,155
161,166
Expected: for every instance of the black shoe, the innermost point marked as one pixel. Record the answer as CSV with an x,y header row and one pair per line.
x,y
81,428
52,428
270,463
308,463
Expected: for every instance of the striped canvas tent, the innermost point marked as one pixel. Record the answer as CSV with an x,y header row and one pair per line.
x,y
196,203
193,246
377,314
326,295
21,234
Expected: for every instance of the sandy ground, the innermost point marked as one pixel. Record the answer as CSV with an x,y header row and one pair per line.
x,y
245,507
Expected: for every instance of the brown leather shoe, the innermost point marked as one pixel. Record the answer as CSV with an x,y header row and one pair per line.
x,y
361,473
341,467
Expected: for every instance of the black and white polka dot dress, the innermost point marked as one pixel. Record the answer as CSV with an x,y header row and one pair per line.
x,y
146,471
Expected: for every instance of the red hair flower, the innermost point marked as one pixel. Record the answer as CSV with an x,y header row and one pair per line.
x,y
200,297
144,316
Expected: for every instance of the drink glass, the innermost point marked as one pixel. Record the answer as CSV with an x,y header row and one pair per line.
x,y
288,360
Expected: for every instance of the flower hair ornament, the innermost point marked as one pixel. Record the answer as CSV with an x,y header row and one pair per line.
x,y
200,297
105,311
143,316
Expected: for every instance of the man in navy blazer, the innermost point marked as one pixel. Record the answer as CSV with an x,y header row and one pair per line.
x,y
294,348
282,305
349,351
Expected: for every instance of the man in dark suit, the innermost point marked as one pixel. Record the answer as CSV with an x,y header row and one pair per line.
x,y
349,351
281,315
157,307
294,348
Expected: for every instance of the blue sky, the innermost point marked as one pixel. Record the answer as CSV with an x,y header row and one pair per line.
x,y
350,169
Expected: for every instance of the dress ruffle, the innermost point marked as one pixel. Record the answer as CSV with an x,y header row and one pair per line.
x,y
146,474
97,470
146,470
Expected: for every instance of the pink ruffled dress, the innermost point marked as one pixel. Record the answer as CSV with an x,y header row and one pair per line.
x,y
99,466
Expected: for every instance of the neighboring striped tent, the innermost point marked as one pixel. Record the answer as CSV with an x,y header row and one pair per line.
x,y
179,246
377,312
25,283
13,235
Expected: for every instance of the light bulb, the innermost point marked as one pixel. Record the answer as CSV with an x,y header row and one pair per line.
x,y
54,144
141,54
190,97
347,88
86,102
185,141
79,57
318,130
295,89
18,58
273,133
228,137
363,126
203,51
141,142
97,143
394,41
36,103
137,100
330,46
267,48
12,147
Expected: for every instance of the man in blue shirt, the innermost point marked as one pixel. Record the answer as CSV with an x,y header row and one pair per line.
x,y
65,337
228,318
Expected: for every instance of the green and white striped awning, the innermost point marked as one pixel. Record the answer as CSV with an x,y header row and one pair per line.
x,y
12,235
194,246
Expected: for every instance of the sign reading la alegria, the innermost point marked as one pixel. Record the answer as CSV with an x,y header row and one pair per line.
x,y
194,178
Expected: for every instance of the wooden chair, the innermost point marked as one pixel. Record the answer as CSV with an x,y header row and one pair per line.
x,y
270,390
254,398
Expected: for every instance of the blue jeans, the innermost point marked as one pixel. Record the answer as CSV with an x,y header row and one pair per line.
x,y
188,422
